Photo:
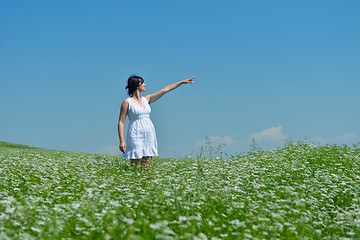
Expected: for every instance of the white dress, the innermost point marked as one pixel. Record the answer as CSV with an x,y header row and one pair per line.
x,y
141,136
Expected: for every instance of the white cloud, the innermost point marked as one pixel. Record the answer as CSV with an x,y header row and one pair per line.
x,y
109,150
221,145
218,140
274,134
318,140
346,137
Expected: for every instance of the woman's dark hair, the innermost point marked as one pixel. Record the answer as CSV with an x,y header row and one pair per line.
x,y
133,82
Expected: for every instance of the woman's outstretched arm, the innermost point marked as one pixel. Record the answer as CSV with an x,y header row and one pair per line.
x,y
155,96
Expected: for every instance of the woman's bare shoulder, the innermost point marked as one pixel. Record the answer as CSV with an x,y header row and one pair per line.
x,y
125,103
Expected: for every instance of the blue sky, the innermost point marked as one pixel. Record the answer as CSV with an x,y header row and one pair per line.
x,y
265,70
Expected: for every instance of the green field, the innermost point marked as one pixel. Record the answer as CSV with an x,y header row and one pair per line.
x,y
300,191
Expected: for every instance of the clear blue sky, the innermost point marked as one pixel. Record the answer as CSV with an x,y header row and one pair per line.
x,y
266,70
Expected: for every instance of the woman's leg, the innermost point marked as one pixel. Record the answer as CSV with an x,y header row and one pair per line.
x,y
146,161
135,162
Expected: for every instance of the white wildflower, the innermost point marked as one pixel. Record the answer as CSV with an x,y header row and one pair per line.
x,y
115,203
201,236
168,231
237,223
129,221
159,225
34,229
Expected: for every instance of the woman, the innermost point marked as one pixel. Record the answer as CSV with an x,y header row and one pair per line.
x,y
141,142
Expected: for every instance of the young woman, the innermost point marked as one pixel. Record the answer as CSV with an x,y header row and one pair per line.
x,y
141,143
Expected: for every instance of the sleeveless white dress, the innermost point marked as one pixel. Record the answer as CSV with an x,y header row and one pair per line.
x,y
141,136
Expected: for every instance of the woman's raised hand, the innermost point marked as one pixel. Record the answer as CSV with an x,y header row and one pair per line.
x,y
188,80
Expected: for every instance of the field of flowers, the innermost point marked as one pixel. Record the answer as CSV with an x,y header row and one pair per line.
x,y
297,192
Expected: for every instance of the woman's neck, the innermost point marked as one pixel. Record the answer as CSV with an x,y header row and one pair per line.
x,y
136,95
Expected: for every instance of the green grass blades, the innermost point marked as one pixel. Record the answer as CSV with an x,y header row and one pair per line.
x,y
297,192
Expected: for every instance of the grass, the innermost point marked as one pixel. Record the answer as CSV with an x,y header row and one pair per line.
x,y
297,192
14,145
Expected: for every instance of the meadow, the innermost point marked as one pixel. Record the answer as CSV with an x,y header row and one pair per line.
x,y
299,191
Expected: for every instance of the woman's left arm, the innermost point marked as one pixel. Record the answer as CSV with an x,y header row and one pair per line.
x,y
155,96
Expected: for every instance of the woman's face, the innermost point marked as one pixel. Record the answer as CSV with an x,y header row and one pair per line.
x,y
142,87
